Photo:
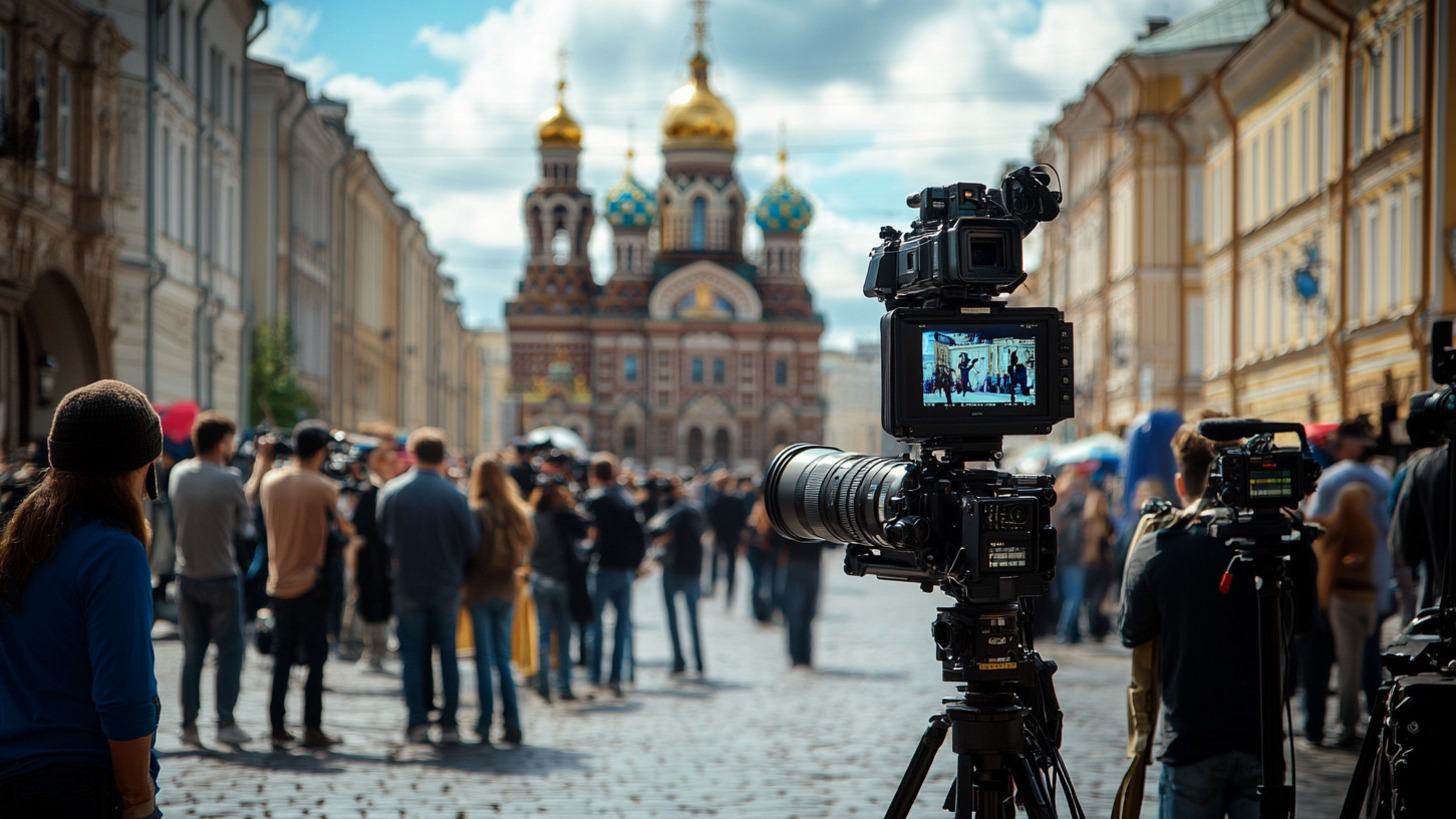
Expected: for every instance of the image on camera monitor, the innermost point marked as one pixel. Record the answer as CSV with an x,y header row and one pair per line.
x,y
991,365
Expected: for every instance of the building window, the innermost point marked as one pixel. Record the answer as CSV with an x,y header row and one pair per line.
x,y
1396,243
560,247
1358,109
182,43
232,107
629,442
662,398
699,238
695,448
166,198
719,371
1418,73
1284,156
1303,142
1397,80
163,27
1415,261
629,368
63,123
183,195
721,447
1323,146
1357,258
1375,90
781,371
214,82
698,370
1372,265
38,113
747,400
747,369
664,361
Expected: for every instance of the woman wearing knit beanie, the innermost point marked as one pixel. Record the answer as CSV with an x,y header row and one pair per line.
x,y
76,680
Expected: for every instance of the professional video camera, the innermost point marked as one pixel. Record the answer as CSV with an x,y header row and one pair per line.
x,y
960,370
1407,755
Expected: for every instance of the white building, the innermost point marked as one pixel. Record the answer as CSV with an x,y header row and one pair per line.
x,y
179,321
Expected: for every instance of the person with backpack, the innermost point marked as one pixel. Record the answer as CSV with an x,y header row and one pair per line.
x,y
619,543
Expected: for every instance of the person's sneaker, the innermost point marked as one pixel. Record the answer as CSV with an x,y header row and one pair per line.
x,y
616,689
449,735
567,696
512,737
231,734
316,739
418,733
190,737
281,739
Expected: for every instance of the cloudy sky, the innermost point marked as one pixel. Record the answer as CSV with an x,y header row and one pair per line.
x,y
878,98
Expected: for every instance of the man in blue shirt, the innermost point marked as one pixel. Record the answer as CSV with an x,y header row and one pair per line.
x,y
618,546
431,533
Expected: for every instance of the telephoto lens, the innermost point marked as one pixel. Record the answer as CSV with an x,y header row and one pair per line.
x,y
816,492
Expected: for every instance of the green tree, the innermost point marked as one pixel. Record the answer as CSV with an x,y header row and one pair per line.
x,y
278,397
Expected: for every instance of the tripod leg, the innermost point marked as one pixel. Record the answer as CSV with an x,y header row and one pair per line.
x,y
1365,765
914,777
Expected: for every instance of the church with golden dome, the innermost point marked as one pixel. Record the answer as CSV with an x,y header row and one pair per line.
x,y
690,352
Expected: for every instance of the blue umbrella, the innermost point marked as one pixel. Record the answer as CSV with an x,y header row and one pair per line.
x,y
1149,454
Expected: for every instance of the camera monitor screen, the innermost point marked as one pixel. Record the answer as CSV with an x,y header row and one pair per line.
x,y
986,366
1270,481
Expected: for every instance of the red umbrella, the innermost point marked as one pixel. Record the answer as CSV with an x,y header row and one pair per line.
x,y
177,421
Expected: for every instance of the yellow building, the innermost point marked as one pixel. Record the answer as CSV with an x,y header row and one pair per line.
x,y
1122,261
1323,253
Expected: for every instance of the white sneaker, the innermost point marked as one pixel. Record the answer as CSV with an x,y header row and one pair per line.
x,y
233,735
190,737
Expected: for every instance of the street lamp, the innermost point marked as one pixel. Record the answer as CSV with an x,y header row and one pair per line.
x,y
46,369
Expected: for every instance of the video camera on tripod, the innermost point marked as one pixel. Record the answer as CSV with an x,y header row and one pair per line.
x,y
960,369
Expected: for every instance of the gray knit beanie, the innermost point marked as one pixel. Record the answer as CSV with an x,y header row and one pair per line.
x,y
106,428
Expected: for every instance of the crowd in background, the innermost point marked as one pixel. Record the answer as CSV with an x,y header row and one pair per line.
x,y
319,545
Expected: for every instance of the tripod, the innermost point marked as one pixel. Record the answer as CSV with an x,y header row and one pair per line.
x,y
1005,727
1252,538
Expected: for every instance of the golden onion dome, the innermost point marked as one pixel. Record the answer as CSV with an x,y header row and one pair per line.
x,y
556,128
695,116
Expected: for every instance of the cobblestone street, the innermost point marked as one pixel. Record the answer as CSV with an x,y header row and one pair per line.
x,y
754,739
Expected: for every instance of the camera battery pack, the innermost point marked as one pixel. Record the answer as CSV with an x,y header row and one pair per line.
x,y
1422,720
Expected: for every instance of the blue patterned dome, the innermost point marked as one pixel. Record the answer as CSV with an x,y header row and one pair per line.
x,y
783,208
629,205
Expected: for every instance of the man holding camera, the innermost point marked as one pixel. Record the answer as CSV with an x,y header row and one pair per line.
x,y
1208,666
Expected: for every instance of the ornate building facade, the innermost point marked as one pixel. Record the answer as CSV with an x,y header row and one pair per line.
x,y
690,353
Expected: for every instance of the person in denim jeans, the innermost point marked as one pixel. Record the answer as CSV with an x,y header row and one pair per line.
x,y
432,536
618,545
507,535
213,513
679,533
558,528
1208,666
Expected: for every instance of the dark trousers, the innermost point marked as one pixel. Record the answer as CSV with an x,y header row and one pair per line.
x,y
801,603
300,625
765,584
1315,651
725,563
65,790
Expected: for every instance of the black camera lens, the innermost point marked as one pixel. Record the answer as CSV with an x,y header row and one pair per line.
x,y
821,493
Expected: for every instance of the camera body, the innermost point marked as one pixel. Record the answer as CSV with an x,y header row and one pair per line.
x,y
1277,478
960,370
1434,413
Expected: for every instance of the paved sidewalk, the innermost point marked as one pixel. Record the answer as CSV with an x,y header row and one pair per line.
x,y
753,739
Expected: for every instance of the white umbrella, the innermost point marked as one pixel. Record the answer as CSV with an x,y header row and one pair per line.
x,y
558,438
1104,446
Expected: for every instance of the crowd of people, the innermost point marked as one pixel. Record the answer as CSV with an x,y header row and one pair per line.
x,y
313,556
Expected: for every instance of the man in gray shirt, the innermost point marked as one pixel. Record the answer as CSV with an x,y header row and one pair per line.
x,y
212,512
431,533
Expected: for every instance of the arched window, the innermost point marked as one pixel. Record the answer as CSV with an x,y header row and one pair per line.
x,y
695,448
700,224
629,442
781,437
561,247
628,266
720,446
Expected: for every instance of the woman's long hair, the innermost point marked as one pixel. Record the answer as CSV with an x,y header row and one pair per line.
x,y
45,517
491,486
550,498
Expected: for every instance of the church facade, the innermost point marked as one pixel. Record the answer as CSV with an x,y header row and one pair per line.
x,y
689,353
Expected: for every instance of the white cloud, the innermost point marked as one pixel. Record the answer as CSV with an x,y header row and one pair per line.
x,y
877,102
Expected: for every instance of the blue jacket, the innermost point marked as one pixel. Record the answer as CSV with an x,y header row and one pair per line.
x,y
76,661
430,531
